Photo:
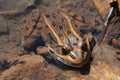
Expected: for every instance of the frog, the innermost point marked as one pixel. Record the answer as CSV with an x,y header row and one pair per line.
x,y
60,31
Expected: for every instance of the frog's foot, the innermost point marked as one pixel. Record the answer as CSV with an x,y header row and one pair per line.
x,y
91,42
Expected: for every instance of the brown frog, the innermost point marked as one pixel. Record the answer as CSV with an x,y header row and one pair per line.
x,y
59,29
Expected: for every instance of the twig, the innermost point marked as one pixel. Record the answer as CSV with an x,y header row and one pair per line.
x,y
9,12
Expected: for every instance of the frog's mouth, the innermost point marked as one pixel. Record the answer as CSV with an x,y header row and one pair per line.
x,y
70,55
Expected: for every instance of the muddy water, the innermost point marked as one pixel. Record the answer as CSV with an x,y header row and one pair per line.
x,y
15,66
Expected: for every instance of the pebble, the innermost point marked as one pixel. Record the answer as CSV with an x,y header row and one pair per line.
x,y
115,43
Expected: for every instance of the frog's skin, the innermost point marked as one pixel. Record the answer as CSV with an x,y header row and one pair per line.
x,y
60,31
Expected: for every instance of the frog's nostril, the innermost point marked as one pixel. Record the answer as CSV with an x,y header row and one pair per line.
x,y
65,51
72,56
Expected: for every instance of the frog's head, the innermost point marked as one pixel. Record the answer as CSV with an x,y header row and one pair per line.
x,y
73,53
74,50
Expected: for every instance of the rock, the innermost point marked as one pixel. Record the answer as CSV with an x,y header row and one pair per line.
x,y
15,5
31,67
115,43
35,67
103,6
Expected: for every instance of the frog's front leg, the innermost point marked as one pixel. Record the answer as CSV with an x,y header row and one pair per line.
x,y
47,49
88,38
42,50
90,41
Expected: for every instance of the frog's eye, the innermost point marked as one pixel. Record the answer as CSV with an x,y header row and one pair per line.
x,y
66,49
